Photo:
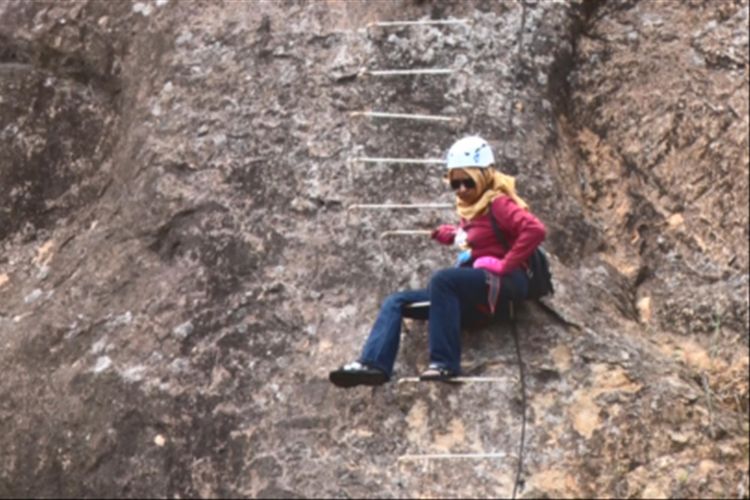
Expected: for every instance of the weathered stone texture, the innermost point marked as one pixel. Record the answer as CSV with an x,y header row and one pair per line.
x,y
180,270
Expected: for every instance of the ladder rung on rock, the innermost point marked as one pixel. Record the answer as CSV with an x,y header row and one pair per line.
x,y
395,206
406,116
398,72
412,380
426,22
451,456
407,161
406,232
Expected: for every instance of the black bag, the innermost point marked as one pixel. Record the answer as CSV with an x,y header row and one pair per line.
x,y
540,278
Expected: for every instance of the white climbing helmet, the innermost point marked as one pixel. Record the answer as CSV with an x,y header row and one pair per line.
x,y
472,151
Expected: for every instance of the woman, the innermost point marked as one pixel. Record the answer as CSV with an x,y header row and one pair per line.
x,y
486,273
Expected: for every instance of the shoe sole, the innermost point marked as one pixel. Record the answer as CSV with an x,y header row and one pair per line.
x,y
347,379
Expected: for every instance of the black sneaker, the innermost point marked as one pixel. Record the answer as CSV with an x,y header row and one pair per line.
x,y
356,373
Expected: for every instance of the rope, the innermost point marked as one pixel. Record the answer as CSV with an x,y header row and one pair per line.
x,y
519,50
523,399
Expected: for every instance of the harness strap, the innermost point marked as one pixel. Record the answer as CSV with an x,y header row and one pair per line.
x,y
493,293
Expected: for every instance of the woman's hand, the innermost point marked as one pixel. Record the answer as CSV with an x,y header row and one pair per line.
x,y
444,234
489,263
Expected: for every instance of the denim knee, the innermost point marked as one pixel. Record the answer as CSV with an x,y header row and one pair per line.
x,y
441,279
391,301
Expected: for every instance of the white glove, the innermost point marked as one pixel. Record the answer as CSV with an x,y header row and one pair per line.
x,y
460,239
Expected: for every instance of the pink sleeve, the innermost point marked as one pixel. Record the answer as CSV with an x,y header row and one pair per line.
x,y
520,227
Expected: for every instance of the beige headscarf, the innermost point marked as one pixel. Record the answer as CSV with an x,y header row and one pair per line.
x,y
491,184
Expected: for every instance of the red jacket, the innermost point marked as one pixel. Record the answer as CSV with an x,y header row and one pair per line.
x,y
523,231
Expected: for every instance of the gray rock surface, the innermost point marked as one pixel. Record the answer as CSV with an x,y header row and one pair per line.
x,y
180,268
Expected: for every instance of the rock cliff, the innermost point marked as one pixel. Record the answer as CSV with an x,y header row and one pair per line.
x,y
181,264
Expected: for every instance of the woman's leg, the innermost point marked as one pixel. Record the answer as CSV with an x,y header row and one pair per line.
x,y
381,347
455,295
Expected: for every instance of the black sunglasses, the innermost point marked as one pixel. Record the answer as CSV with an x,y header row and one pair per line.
x,y
468,184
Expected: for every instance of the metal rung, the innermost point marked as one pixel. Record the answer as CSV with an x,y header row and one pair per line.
x,y
405,232
418,23
426,303
394,72
393,206
439,456
408,380
416,161
406,116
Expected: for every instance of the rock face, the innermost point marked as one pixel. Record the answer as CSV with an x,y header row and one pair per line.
x,y
181,268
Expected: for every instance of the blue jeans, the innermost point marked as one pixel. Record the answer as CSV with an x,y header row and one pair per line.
x,y
458,297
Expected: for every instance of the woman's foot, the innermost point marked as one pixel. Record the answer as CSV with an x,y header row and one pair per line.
x,y
437,372
356,373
